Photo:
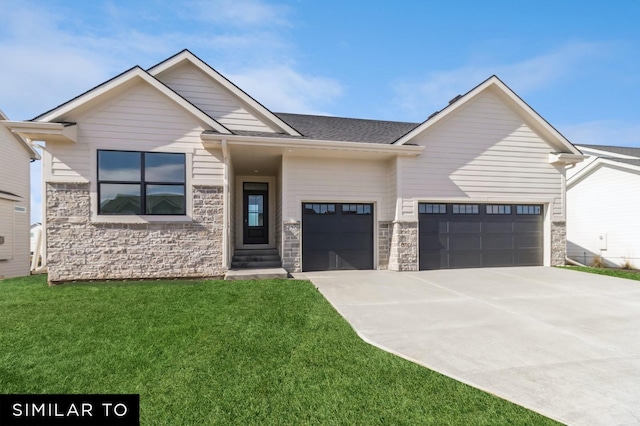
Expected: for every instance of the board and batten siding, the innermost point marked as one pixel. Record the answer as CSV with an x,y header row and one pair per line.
x,y
14,224
139,119
212,98
335,180
484,152
604,204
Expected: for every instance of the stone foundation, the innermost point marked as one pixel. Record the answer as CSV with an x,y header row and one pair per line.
x,y
78,249
384,244
291,246
558,243
404,247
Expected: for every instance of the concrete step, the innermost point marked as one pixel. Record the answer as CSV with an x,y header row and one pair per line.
x,y
256,258
257,264
255,274
255,252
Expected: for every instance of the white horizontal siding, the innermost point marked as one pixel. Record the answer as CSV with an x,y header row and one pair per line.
x,y
484,151
14,226
212,98
140,119
604,204
337,180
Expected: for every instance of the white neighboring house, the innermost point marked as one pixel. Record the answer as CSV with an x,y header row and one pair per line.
x,y
602,216
36,228
15,156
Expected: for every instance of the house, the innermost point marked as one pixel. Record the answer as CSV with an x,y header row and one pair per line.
x,y
174,171
601,193
15,156
36,229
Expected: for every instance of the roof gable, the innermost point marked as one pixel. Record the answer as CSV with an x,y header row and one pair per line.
x,y
618,157
116,85
494,84
242,101
629,166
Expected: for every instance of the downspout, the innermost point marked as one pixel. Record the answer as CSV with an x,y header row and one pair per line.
x,y
225,208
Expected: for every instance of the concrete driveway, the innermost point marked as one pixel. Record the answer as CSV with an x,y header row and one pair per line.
x,y
563,343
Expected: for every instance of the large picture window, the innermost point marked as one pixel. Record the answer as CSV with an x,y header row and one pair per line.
x,y
137,183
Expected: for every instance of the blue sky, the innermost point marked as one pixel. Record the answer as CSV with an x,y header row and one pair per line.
x,y
575,62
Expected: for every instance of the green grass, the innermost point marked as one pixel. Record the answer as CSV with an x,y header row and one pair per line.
x,y
619,273
212,352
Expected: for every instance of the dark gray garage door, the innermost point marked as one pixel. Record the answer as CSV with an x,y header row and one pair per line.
x,y
337,236
480,235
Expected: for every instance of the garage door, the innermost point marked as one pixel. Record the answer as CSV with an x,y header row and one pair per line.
x,y
337,236
480,235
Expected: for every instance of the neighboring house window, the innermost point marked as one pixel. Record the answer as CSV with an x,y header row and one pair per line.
x,y
528,210
151,183
432,208
465,209
498,209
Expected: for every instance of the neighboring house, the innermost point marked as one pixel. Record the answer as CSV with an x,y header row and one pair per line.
x,y
36,228
602,221
15,156
174,171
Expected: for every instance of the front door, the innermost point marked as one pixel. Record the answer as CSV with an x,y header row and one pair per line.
x,y
255,213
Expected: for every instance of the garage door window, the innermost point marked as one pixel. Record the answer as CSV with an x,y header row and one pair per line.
x,y
320,208
532,210
465,209
356,209
432,208
498,209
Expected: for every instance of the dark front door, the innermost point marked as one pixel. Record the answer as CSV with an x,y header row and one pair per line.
x,y
256,213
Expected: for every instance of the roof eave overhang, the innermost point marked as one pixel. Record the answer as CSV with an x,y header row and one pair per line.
x,y
210,140
47,132
566,158
10,197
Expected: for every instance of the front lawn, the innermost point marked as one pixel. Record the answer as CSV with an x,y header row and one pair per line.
x,y
619,273
214,352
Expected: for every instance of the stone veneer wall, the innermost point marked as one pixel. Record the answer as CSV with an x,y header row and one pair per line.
x,y
558,243
78,249
404,247
291,246
384,244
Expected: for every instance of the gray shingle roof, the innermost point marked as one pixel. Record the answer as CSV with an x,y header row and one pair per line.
x,y
633,162
347,129
624,150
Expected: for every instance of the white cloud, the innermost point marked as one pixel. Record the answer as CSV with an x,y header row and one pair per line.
x,y
54,52
436,88
282,88
603,132
239,13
